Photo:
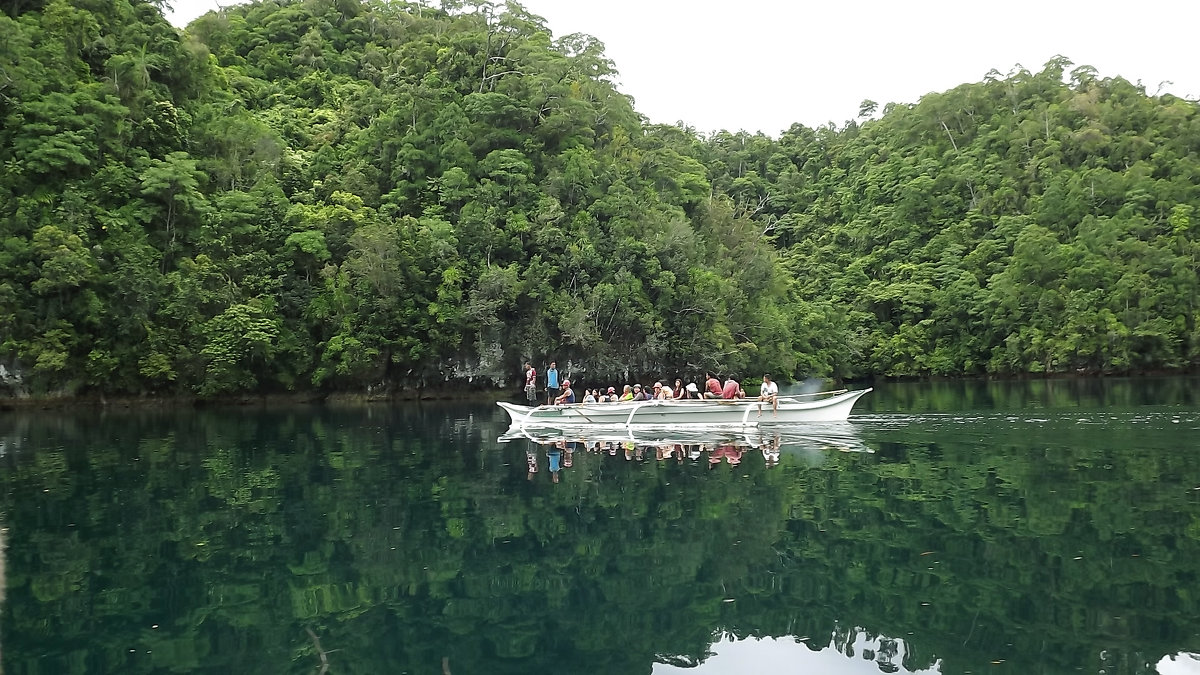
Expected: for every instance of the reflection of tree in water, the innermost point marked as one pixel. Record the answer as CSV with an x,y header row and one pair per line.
x,y
3,578
407,537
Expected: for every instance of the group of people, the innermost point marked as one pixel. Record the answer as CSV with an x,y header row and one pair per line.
x,y
560,454
637,392
555,392
562,393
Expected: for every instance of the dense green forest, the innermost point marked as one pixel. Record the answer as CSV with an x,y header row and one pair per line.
x,y
346,194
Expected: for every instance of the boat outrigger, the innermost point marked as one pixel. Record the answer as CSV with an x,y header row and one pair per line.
x,y
834,407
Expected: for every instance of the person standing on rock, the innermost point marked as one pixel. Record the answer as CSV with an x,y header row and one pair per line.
x,y
531,384
551,382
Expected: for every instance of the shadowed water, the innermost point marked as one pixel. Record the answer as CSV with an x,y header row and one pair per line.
x,y
1038,527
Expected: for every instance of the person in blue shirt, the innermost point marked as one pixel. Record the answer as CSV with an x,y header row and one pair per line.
x,y
551,382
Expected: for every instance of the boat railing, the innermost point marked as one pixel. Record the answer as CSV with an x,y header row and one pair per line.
x,y
817,393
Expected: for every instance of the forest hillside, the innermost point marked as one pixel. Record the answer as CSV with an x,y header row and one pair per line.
x,y
343,195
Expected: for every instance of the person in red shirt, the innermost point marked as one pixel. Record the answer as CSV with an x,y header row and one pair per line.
x,y
530,383
712,386
731,389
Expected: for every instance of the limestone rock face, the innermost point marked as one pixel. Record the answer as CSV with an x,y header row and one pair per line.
x,y
12,380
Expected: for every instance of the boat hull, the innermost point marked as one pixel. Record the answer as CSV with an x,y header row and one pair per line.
x,y
745,412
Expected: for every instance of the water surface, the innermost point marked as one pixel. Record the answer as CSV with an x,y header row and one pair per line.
x,y
1038,527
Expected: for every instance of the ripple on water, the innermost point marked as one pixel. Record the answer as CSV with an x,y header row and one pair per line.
x,y
1146,427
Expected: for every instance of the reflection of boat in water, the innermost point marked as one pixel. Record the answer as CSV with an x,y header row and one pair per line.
x,y
808,439
830,407
1182,663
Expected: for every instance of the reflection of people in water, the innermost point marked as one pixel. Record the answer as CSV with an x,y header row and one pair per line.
x,y
730,453
663,452
561,453
734,455
555,456
770,451
530,463
716,455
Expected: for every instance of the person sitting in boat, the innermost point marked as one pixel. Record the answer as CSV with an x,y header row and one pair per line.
x,y
660,393
638,394
712,386
567,395
627,395
588,396
691,391
612,395
678,392
769,393
732,389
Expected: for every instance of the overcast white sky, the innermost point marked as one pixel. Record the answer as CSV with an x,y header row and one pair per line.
x,y
761,65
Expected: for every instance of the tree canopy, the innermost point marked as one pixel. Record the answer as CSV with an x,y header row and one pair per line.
x,y
335,194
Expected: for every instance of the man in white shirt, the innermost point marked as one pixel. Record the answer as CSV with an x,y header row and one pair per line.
x,y
769,392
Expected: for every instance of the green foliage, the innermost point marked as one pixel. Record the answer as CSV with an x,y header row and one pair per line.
x,y
1020,224
424,195
235,341
353,193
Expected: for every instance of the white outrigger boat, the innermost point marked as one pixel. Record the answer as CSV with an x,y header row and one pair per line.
x,y
834,407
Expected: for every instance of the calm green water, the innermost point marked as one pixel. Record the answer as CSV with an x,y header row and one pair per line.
x,y
1045,527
